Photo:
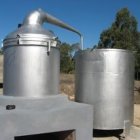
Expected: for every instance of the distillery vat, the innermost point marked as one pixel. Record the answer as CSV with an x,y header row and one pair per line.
x,y
30,107
32,57
105,79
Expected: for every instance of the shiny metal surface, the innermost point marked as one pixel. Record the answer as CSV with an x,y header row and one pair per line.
x,y
32,24
38,17
104,78
32,57
30,71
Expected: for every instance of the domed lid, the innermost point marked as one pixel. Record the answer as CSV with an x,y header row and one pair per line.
x,y
30,35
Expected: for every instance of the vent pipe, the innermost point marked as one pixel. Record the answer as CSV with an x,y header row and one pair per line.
x,y
38,17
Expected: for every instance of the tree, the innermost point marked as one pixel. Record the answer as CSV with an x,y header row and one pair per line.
x,y
123,34
1,51
66,61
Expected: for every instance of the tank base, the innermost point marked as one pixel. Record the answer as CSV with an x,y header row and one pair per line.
x,y
24,117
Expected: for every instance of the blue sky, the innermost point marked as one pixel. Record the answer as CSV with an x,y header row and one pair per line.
x,y
90,17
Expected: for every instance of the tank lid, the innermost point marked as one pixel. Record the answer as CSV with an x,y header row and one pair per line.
x,y
31,35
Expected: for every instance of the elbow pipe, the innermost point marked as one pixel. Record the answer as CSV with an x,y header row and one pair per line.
x,y
38,17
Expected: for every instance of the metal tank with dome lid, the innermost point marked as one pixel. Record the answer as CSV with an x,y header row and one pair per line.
x,y
32,57
31,106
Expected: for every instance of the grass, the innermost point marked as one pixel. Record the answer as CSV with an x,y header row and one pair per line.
x,y
67,85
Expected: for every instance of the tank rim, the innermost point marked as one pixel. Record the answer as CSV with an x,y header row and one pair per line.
x,y
103,49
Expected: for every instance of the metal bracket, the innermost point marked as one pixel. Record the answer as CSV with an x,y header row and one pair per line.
x,y
49,46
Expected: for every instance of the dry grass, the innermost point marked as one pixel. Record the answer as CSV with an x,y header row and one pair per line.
x,y
67,85
137,115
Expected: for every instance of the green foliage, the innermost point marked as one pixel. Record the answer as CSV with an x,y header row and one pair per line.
x,y
1,51
123,34
66,61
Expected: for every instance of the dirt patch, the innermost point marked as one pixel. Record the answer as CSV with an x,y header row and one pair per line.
x,y
67,85
137,115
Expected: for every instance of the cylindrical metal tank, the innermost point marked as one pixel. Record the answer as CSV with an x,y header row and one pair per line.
x,y
105,79
32,57
30,68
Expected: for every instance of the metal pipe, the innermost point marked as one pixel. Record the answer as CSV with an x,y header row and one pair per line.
x,y
38,17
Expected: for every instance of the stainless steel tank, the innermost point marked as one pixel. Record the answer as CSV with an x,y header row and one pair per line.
x,y
105,79
32,57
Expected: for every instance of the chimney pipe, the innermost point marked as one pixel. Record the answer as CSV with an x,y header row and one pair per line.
x,y
38,17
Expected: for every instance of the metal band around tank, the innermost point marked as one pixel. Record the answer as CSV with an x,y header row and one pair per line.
x,y
31,39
